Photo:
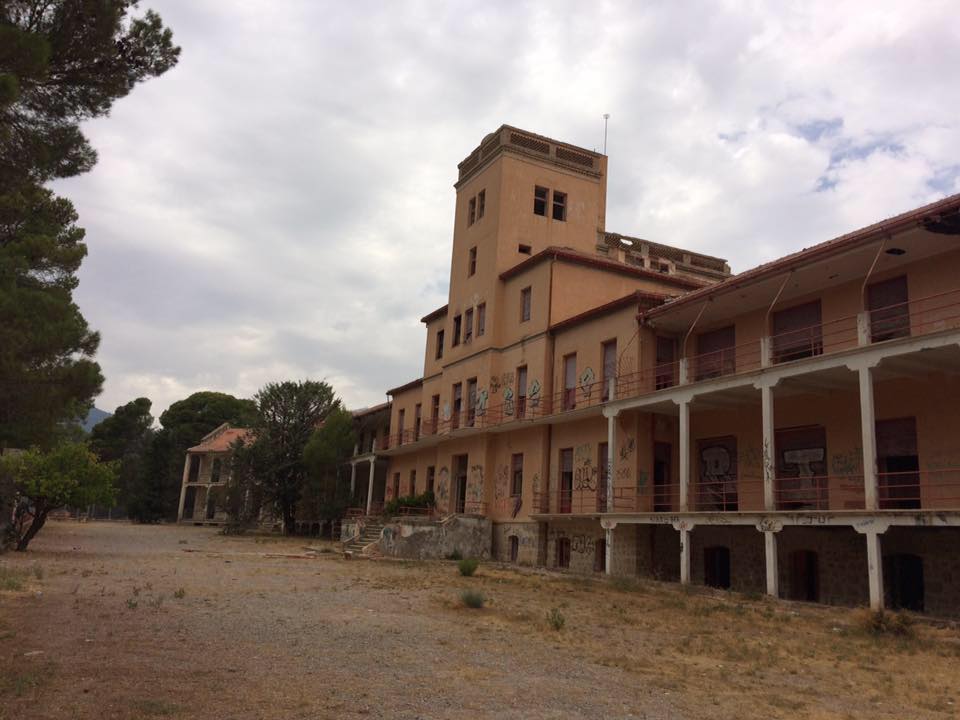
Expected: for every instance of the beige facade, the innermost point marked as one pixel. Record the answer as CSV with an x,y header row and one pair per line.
x,y
618,405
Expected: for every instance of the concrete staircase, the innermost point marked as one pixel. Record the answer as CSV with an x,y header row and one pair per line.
x,y
370,534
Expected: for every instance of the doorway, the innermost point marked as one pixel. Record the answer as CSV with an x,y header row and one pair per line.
x,y
716,567
189,500
662,453
904,577
514,548
804,576
460,464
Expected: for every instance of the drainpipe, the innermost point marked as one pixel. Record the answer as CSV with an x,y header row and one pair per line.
x,y
765,339
863,317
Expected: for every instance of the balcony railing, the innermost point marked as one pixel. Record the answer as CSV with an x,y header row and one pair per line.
x,y
920,316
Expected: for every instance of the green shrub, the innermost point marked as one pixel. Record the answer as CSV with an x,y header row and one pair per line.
x,y
468,566
880,622
555,619
473,599
423,501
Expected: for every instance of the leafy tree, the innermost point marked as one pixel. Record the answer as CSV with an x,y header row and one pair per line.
x,y
69,475
61,62
327,491
288,413
124,438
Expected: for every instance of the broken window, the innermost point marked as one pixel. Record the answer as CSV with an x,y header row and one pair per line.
x,y
481,203
516,480
525,299
481,319
559,205
471,401
472,263
521,391
540,200
457,322
416,421
439,344
457,405
472,212
468,325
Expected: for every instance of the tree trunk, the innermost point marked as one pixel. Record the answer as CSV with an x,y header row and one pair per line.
x,y
38,520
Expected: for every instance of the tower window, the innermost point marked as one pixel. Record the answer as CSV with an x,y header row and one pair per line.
x,y
540,200
468,325
472,212
457,322
481,203
559,205
525,298
481,319
439,344
472,263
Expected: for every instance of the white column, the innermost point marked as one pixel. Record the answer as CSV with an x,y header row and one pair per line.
x,y
611,449
765,354
353,479
684,455
869,438
608,547
769,451
684,371
875,569
863,329
685,557
373,469
183,486
770,551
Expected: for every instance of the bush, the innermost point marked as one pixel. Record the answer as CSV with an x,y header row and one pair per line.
x,y
555,619
472,599
423,501
880,622
180,594
468,566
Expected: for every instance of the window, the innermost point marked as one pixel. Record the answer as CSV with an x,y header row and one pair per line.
x,y
413,482
570,381
715,353
481,203
468,326
797,332
194,469
459,490
472,212
435,413
215,471
481,319
516,479
609,369
457,321
603,465
416,421
524,249
396,485
521,391
566,480
540,200
472,264
665,371
563,552
431,477
439,344
525,298
457,405
559,205
889,312
600,556
401,414
471,401
716,567
514,548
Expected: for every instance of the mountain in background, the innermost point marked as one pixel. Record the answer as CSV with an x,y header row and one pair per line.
x,y
95,416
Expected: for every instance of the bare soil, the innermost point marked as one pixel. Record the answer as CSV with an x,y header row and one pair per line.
x,y
110,620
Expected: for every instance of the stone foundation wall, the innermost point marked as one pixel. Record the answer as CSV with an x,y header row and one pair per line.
x,y
528,536
429,540
939,551
748,568
841,557
583,536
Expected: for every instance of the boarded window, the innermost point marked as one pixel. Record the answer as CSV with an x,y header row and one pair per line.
x,y
540,200
797,332
716,354
718,474
801,467
889,312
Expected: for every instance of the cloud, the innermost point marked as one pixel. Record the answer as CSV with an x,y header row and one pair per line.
x,y
280,205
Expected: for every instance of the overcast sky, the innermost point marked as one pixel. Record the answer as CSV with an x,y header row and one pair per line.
x,y
280,205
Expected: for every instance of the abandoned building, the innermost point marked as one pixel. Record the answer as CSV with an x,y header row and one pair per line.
x,y
599,402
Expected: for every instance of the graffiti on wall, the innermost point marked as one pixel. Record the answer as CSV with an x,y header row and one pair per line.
x,y
628,448
501,487
533,397
475,486
579,543
482,400
443,486
508,401
846,463
587,378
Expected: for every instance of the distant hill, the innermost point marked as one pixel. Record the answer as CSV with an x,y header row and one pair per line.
x,y
95,416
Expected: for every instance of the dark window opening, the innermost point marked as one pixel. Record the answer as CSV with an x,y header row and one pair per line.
x,y
481,319
215,471
401,416
888,308
563,552
434,413
603,465
609,352
471,401
514,548
559,205
413,482
600,556
516,480
396,485
468,326
570,382
716,567
194,474
521,401
524,249
662,457
898,464
797,332
804,576
457,405
457,322
481,203
472,263
189,500
665,371
566,480
460,483
540,200
472,212
439,344
431,478
417,419
903,576
716,354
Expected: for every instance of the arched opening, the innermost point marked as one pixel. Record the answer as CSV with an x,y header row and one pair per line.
x,y
716,567
804,576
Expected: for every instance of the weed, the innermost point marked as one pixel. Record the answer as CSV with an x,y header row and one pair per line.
x,y
180,593
136,591
11,579
132,603
156,707
181,542
468,566
473,599
556,619
38,572
879,623
156,602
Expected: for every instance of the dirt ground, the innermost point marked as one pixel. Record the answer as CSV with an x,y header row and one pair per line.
x,y
110,620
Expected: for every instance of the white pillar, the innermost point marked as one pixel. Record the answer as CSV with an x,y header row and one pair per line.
x,y
766,357
869,438
685,557
183,486
863,329
684,455
769,451
608,547
611,449
353,479
875,569
373,469
684,371
770,551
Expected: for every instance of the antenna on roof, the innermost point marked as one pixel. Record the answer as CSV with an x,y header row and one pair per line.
x,y
606,119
